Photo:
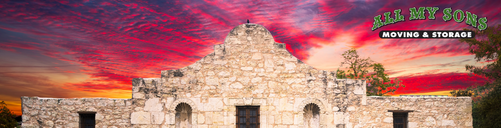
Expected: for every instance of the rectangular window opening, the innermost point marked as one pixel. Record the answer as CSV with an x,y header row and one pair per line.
x,y
247,117
87,119
400,119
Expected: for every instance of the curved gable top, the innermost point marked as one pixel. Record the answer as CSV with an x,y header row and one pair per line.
x,y
249,34
248,41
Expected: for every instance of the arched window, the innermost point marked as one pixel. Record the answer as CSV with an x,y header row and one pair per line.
x,y
311,116
183,116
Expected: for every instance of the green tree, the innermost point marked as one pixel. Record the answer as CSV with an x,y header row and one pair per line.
x,y
486,113
7,119
340,74
458,93
462,92
357,67
379,83
486,46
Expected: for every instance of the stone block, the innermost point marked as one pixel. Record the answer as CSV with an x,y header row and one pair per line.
x,y
327,119
287,118
278,119
213,104
158,117
201,118
359,90
346,118
335,109
227,119
263,120
285,105
364,99
256,80
236,85
338,118
218,118
33,112
72,125
448,123
351,108
247,68
208,117
91,109
170,118
49,123
194,119
232,119
298,119
168,102
248,101
290,66
413,124
468,123
153,105
257,56
99,116
271,119
140,118
388,120
269,63
430,121
211,80
358,126
203,126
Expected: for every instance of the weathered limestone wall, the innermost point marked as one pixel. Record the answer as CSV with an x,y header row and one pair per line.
x,y
60,112
248,69
157,108
447,112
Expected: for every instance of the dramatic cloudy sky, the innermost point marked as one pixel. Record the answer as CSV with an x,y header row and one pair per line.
x,y
93,48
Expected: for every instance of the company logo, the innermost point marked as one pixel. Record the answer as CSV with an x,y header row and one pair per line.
x,y
419,14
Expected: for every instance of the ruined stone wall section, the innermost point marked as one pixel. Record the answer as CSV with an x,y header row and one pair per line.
x,y
61,112
146,88
450,112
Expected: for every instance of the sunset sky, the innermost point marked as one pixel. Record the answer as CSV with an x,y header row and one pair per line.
x,y
93,48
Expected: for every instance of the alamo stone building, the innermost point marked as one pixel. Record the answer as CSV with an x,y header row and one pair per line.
x,y
250,81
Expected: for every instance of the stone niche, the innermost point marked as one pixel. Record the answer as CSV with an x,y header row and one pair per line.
x,y
183,116
250,80
311,116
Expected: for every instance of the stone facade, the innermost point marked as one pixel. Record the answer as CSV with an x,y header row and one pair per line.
x,y
249,69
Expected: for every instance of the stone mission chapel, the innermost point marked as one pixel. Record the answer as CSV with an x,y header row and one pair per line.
x,y
250,81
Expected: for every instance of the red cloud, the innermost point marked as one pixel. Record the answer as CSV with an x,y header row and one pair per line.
x,y
439,82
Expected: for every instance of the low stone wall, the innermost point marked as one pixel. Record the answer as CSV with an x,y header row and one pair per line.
x,y
453,112
61,112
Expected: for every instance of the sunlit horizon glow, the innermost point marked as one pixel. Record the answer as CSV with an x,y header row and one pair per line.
x,y
93,48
